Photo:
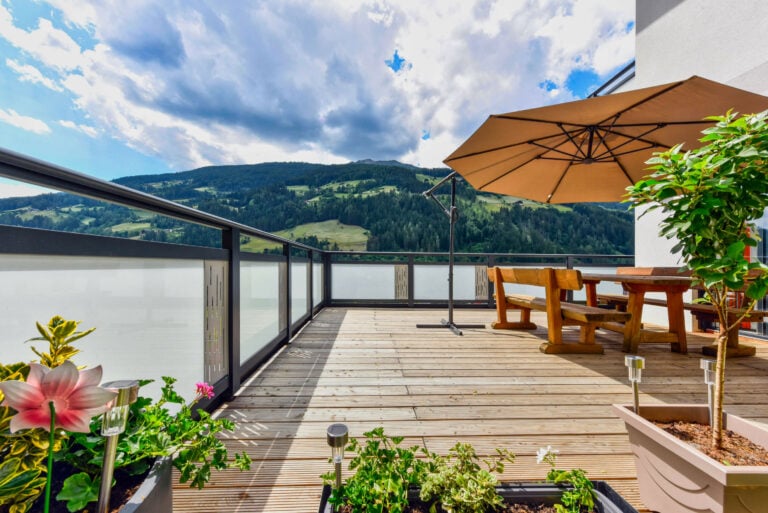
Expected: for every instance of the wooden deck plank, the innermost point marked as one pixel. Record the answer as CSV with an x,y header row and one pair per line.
x,y
370,368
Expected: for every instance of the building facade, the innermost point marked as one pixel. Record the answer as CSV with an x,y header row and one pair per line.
x,y
721,40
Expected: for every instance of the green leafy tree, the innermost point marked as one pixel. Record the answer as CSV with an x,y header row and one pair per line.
x,y
710,198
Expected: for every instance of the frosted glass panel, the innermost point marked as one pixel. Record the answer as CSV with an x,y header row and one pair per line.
x,y
299,290
259,306
148,313
317,284
363,281
431,282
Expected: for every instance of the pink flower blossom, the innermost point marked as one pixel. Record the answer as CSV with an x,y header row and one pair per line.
x,y
76,397
204,390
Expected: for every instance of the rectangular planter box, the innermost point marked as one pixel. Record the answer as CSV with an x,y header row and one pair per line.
x,y
674,476
608,501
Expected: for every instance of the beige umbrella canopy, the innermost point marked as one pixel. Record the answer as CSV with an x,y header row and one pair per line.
x,y
592,150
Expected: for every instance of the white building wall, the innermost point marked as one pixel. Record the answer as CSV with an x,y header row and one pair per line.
x,y
722,40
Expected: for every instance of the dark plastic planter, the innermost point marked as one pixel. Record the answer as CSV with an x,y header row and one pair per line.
x,y
155,495
608,501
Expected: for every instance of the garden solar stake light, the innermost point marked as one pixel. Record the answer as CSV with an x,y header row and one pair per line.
x,y
709,378
112,425
635,364
337,439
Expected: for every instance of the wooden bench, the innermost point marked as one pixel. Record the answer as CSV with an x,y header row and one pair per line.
x,y
703,312
559,312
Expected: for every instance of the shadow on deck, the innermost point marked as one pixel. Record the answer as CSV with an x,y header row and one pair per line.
x,y
492,388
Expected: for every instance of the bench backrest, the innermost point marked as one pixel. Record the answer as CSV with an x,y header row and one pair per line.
x,y
561,279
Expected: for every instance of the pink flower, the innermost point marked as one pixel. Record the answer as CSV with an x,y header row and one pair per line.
x,y
204,390
76,397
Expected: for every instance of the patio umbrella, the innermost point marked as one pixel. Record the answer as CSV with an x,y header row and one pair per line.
x,y
591,150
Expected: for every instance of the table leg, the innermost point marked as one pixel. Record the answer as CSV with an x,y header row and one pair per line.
x,y
632,327
590,288
675,315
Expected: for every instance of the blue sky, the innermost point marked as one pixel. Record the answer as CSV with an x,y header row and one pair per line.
x,y
114,88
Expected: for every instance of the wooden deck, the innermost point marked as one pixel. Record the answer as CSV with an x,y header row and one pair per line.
x,y
492,388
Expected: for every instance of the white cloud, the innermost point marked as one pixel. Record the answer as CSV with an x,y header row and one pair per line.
x,y
10,189
78,13
50,46
577,31
27,123
28,73
196,82
85,129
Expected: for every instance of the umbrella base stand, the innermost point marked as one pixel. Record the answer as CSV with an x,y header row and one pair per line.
x,y
452,214
455,328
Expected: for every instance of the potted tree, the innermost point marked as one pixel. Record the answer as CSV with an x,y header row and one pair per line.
x,y
710,197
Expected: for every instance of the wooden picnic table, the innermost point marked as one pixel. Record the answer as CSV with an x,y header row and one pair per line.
x,y
637,286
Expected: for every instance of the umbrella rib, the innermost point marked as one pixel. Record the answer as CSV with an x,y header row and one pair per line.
x,y
611,153
483,152
626,174
630,139
616,115
505,173
570,138
533,142
559,181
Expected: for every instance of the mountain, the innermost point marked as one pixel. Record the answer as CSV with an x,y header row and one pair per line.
x,y
378,206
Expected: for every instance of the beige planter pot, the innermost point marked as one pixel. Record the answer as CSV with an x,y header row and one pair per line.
x,y
675,477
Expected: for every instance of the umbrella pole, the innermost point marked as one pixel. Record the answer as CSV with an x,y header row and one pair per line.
x,y
453,215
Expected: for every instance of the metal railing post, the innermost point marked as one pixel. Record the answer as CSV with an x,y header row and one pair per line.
x,y
231,242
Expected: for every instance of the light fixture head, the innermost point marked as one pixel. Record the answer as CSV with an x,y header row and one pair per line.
x,y
635,364
115,418
708,366
337,436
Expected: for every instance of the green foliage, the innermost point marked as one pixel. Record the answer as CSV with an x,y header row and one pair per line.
x,y
24,453
710,198
189,436
20,484
60,334
580,497
383,473
78,491
454,484
383,198
460,485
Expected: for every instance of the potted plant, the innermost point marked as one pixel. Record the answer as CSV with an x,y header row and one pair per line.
x,y
389,478
710,198
67,442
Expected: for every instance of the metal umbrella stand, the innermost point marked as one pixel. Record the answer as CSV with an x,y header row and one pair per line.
x,y
453,216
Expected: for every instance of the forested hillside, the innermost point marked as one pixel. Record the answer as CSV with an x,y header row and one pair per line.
x,y
383,201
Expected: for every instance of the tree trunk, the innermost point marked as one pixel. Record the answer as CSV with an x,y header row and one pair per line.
x,y
717,413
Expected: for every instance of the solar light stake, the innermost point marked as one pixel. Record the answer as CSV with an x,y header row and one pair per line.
x,y
112,424
709,378
635,364
337,438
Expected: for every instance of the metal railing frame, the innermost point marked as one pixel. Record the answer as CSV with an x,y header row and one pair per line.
x,y
19,240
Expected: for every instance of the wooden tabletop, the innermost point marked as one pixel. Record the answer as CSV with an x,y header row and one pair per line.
x,y
663,281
